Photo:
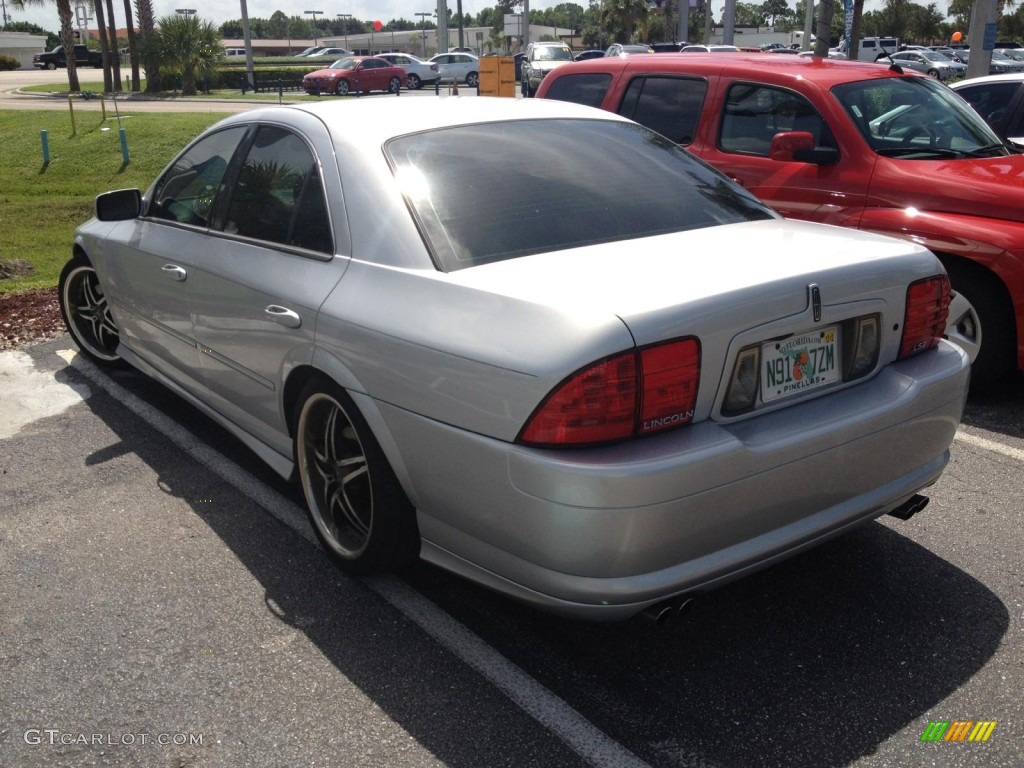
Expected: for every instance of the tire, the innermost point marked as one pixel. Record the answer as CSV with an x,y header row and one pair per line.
x,y
87,314
51,65
341,88
394,85
414,82
981,321
933,73
355,503
473,80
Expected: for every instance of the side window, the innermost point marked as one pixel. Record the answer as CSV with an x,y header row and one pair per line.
x,y
186,191
755,113
669,105
991,99
588,89
278,195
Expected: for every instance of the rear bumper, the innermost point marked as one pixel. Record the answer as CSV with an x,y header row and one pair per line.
x,y
603,533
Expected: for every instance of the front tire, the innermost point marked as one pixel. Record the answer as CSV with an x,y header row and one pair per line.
x,y
51,65
414,82
341,88
86,312
395,85
356,505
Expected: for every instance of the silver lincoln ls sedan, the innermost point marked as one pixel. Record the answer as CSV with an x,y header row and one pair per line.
x,y
536,344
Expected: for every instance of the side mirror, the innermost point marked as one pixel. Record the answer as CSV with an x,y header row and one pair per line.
x,y
798,146
120,205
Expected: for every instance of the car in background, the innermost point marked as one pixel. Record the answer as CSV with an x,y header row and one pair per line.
x,y
781,49
461,67
417,70
1000,64
588,54
540,59
627,49
929,63
1017,54
356,74
875,148
310,51
667,47
325,52
710,49
999,99
352,292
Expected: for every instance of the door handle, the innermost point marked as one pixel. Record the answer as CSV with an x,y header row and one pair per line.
x,y
286,317
174,272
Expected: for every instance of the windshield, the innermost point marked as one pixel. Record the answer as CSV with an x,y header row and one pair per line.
x,y
916,117
346,63
551,53
496,191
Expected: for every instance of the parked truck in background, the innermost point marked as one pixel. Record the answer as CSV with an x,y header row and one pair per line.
x,y
57,58
760,37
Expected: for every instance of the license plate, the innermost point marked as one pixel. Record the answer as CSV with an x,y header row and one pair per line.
x,y
800,363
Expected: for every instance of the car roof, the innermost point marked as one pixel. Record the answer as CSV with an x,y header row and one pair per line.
x,y
375,121
778,69
1008,77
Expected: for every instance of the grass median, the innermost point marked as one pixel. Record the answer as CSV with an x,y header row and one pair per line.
x,y
41,204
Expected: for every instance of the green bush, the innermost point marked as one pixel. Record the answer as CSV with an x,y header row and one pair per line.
x,y
8,63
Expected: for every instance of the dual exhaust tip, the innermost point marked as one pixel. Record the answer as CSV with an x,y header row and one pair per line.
x,y
667,611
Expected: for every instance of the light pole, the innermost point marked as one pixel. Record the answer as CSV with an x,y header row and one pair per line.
x,y
423,23
313,14
344,25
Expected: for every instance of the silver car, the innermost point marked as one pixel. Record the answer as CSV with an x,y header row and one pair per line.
x,y
461,67
928,62
599,398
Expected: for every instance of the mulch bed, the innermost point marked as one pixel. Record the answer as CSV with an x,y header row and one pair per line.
x,y
29,317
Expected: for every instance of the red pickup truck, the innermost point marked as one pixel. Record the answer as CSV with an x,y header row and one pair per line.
x,y
860,145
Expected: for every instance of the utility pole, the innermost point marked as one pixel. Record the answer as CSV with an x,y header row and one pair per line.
x,y
423,32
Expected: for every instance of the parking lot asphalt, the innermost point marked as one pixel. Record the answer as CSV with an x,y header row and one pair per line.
x,y
164,604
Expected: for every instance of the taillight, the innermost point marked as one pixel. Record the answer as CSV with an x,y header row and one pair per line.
x,y
925,320
637,392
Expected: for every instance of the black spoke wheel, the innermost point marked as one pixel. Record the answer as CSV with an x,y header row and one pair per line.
x,y
86,312
356,505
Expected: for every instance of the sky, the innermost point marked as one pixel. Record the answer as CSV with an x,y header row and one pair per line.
x,y
228,10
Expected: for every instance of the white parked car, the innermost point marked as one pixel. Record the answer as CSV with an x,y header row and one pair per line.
x,y
420,72
464,67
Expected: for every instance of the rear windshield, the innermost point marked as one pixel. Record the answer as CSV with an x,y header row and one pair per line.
x,y
495,191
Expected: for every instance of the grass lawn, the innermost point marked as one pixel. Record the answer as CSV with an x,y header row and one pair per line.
x,y
41,205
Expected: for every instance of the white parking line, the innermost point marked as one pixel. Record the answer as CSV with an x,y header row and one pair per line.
x,y
590,743
990,445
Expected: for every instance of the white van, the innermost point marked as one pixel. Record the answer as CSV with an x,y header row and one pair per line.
x,y
871,48
232,52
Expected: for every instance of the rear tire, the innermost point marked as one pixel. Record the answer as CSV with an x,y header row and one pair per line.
x,y
415,83
473,80
981,320
356,505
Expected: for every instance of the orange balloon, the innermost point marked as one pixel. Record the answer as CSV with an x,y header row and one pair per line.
x,y
957,37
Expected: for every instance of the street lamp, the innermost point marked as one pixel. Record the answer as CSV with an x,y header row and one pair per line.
x,y
344,25
423,23
313,14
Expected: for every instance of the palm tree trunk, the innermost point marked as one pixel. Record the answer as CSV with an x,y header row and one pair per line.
x,y
67,39
115,55
133,46
101,26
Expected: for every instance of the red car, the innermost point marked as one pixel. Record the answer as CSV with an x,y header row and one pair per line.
x,y
356,74
857,144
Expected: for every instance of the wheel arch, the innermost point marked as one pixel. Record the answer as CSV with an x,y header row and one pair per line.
x,y
335,371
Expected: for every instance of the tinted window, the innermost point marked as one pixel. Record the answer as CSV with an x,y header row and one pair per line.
x,y
278,196
588,89
187,190
755,113
990,100
555,184
669,105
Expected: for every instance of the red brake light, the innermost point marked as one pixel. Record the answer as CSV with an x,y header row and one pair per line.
x,y
925,320
636,392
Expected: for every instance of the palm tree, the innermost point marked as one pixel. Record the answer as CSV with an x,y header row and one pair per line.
x,y
133,44
149,45
621,18
67,35
191,46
